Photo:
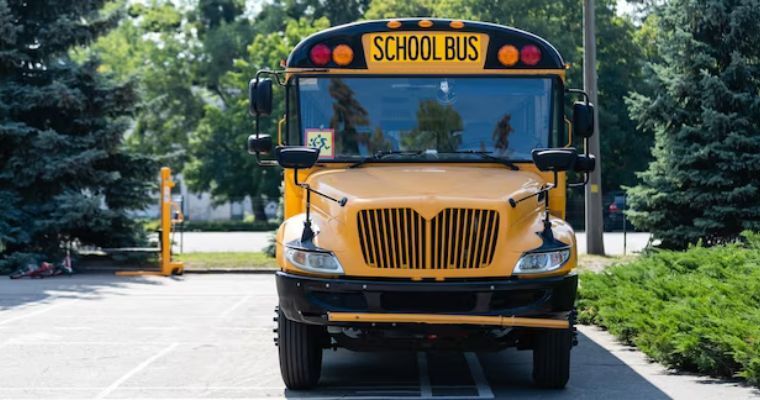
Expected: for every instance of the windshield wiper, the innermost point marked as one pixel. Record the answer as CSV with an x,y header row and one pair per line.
x,y
487,156
380,154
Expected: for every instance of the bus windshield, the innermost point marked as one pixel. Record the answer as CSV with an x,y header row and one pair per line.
x,y
351,118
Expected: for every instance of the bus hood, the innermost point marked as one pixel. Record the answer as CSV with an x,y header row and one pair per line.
x,y
411,184
424,211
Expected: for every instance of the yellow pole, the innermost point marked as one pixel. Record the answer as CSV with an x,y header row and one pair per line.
x,y
167,266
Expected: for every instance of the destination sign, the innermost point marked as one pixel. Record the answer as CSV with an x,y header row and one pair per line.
x,y
425,47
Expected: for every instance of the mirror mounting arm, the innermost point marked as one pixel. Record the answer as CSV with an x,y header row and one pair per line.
x,y
341,202
257,155
278,74
581,92
543,191
308,233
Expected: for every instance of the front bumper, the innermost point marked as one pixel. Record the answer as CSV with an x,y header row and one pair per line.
x,y
497,302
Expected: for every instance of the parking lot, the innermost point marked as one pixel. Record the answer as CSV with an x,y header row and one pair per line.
x,y
210,336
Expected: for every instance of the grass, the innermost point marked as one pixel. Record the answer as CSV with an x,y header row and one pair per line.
x,y
696,310
594,263
231,260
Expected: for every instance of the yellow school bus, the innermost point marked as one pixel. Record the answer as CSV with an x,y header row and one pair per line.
x,y
426,164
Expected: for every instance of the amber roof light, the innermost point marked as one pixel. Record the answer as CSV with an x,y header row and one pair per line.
x,y
508,55
393,24
425,23
342,55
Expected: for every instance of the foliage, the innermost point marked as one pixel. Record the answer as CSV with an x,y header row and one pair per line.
x,y
696,310
275,15
220,163
704,109
229,226
64,174
158,48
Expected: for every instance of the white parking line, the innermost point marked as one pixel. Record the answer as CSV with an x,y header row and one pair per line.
x,y
135,370
422,366
234,307
38,312
484,389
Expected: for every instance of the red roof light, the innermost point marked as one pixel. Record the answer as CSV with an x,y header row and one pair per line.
x,y
320,55
530,55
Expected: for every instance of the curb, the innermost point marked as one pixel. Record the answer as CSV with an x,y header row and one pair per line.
x,y
231,271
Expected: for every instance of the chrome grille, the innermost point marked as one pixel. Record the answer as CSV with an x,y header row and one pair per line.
x,y
456,238
463,238
392,238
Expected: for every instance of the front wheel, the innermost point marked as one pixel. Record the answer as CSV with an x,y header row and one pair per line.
x,y
300,350
551,358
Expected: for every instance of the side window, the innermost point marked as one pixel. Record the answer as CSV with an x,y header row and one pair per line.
x,y
293,136
559,127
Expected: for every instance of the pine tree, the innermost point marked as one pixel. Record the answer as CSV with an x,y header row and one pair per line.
x,y
705,113
64,174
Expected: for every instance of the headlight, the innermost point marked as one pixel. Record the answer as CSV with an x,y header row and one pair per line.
x,y
534,263
314,261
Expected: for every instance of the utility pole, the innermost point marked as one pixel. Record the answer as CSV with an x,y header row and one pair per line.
x,y
594,222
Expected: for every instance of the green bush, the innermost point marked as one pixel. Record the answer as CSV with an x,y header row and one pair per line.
x,y
697,310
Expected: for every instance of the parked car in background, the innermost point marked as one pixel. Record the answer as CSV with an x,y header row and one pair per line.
x,y
614,216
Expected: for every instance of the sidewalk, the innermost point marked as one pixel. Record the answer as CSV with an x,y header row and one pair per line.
x,y
196,242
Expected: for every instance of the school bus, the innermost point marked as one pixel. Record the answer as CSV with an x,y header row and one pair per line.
x,y
426,164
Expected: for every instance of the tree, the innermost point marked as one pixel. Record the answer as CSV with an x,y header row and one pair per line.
x,y
64,173
274,16
177,57
220,163
157,49
704,111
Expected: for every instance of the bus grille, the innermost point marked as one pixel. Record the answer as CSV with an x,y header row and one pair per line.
x,y
456,238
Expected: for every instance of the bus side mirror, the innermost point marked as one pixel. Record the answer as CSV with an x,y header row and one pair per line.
x,y
259,144
583,119
585,163
260,96
555,160
297,157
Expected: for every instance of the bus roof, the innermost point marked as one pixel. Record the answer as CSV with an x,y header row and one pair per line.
x,y
497,37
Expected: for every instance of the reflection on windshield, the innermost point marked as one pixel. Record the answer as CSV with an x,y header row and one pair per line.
x,y
507,117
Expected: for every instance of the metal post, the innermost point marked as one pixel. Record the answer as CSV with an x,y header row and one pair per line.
x,y
594,222
167,266
625,233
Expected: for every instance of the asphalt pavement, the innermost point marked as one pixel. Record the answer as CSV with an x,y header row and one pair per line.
x,y
615,243
210,336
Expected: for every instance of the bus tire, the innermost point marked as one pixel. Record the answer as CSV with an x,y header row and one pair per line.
x,y
551,358
300,351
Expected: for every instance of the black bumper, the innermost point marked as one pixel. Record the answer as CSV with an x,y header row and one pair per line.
x,y
309,299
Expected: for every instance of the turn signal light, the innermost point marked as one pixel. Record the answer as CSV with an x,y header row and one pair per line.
x,y
320,55
342,55
508,55
530,55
